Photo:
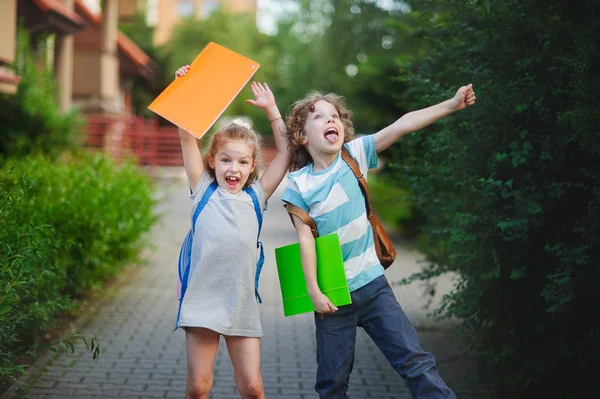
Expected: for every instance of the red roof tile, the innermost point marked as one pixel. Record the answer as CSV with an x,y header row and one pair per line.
x,y
58,7
132,50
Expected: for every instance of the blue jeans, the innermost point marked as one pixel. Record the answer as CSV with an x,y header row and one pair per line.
x,y
374,308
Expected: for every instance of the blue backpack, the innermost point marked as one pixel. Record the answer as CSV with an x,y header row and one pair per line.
x,y
185,254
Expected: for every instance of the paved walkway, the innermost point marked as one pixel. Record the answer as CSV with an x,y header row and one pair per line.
x,y
143,358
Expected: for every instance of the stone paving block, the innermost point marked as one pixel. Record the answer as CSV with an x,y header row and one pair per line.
x,y
133,387
113,393
290,383
111,397
62,392
176,393
47,384
45,396
224,396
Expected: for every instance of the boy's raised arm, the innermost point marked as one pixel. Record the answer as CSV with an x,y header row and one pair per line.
x,y
416,120
276,170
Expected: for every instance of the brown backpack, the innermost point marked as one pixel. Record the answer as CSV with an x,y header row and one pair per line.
x,y
383,245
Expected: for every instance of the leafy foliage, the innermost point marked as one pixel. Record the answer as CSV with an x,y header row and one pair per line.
x,y
31,119
65,228
509,188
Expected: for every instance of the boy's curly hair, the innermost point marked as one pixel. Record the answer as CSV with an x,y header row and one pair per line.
x,y
297,119
235,132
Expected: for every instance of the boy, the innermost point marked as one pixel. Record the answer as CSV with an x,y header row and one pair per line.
x,y
323,185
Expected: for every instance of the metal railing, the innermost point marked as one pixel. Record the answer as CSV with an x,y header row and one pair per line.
x,y
150,143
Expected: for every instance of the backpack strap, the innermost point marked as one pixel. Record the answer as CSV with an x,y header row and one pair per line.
x,y
362,182
254,197
304,216
383,245
261,259
203,201
187,244
185,254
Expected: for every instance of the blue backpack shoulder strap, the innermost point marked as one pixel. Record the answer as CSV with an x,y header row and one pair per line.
x,y
254,197
261,258
205,197
185,254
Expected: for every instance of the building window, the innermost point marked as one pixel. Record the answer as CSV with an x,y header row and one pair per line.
x,y
207,8
185,8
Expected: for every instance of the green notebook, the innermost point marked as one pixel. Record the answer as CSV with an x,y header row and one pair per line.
x,y
330,275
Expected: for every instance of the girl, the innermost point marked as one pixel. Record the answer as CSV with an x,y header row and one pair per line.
x,y
220,298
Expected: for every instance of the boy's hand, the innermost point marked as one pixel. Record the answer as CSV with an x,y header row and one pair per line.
x,y
182,71
465,97
264,96
322,304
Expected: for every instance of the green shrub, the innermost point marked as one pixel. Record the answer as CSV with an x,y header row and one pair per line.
x,y
510,188
65,227
30,273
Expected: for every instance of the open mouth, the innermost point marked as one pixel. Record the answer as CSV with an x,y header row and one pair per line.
x,y
232,181
331,135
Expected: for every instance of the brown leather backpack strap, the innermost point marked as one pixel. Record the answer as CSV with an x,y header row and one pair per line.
x,y
361,179
383,245
304,216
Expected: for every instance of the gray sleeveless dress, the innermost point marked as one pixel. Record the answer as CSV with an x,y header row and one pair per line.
x,y
220,295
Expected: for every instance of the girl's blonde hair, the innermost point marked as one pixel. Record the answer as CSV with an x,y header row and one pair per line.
x,y
297,119
236,131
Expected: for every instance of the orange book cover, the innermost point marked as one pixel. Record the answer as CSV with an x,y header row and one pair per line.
x,y
195,101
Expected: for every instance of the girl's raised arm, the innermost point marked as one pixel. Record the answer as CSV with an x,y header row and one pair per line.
x,y
276,170
192,158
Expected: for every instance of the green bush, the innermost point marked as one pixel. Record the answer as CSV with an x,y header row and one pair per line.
x,y
28,260
511,188
31,120
65,227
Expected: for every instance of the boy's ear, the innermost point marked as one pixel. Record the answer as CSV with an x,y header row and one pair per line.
x,y
211,162
303,139
253,166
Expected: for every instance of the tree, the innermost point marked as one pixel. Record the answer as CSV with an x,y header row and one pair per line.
x,y
510,187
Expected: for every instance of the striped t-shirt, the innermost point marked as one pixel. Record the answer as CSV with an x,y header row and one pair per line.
x,y
332,197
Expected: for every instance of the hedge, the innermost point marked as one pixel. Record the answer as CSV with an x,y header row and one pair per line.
x,y
510,189
65,228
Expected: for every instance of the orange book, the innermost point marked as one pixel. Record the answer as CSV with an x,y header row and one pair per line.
x,y
195,101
